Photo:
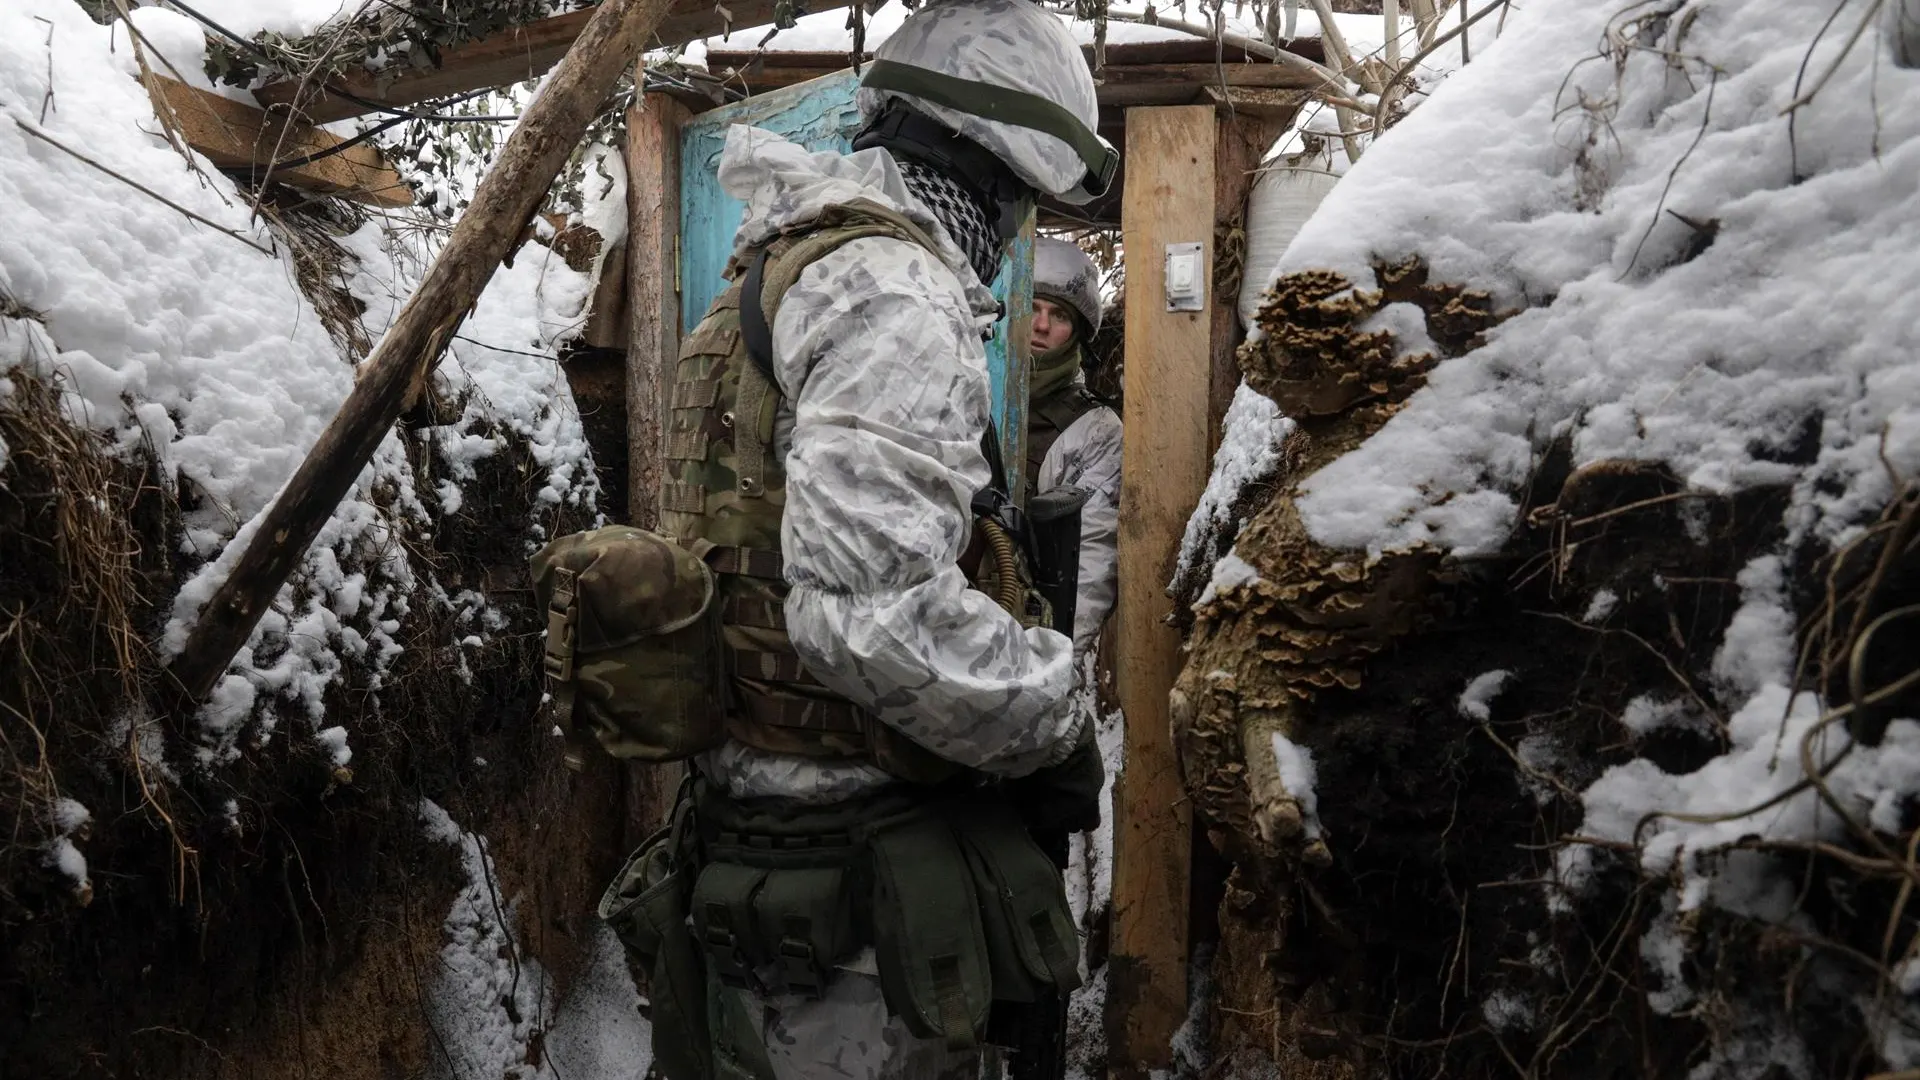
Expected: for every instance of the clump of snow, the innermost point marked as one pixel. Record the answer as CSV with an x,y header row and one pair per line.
x,y
1664,949
1542,754
1601,606
1649,713
1732,792
1758,648
1476,701
68,820
1231,572
1505,1010
1295,763
1251,437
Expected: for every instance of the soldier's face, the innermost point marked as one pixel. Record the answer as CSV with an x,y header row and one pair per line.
x,y
1052,326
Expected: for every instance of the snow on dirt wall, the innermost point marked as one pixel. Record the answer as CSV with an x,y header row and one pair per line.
x,y
1699,221
193,341
216,344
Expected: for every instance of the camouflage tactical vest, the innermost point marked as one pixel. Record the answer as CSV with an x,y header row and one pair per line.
x,y
1047,420
724,496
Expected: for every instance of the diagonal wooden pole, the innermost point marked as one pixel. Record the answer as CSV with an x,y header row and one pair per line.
x,y
507,197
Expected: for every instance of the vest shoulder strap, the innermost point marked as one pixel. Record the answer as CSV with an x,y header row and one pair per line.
x,y
776,266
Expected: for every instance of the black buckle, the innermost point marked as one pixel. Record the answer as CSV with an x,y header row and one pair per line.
x,y
724,946
799,965
1096,184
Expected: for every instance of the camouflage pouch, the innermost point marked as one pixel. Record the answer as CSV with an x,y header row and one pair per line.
x,y
632,653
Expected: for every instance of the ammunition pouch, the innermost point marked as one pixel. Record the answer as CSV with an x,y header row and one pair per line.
x,y
961,908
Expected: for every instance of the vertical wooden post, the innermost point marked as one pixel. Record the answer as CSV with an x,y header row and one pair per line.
x,y
1242,140
653,344
1169,199
653,270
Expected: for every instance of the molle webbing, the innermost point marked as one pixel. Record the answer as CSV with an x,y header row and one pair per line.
x,y
725,495
1047,420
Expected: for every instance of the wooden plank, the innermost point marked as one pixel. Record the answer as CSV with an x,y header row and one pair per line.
x,y
653,344
505,199
1169,199
1182,50
653,289
1010,376
235,135
1123,85
819,115
511,56
1241,140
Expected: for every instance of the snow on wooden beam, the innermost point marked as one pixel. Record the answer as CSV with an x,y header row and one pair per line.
x,y
235,135
511,56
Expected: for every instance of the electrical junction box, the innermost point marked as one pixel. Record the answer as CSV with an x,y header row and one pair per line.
x,y
1186,277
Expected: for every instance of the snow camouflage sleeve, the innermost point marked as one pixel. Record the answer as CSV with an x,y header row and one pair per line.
x,y
878,350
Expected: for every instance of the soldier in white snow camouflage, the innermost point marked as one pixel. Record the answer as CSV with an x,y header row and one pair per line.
x,y
1073,438
879,401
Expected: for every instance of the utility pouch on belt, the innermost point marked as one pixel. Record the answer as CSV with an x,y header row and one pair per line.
x,y
775,907
1029,928
632,649
931,947
646,906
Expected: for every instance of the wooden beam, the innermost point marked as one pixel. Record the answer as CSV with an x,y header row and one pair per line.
x,y
1169,199
502,59
653,347
653,288
235,135
1124,85
505,200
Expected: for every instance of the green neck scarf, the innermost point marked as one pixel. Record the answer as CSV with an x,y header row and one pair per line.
x,y
1053,371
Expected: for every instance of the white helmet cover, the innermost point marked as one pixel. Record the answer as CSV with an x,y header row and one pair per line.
x,y
1063,273
1008,43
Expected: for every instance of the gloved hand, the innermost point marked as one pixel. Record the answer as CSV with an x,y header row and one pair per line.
x,y
1064,798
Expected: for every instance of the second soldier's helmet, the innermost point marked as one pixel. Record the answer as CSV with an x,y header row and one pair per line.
x,y
1006,75
1063,273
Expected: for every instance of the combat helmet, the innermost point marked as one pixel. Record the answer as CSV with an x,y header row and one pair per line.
x,y
1003,76
1063,273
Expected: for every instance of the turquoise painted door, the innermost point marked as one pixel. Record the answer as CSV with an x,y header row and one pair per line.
x,y
820,115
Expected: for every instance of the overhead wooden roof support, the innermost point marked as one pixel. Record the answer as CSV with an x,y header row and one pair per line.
x,y
1152,73
511,56
235,135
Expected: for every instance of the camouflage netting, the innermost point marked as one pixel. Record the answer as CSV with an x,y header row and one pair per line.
x,y
1410,917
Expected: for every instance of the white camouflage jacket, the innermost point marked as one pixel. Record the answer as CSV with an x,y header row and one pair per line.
x,y
1087,456
878,351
